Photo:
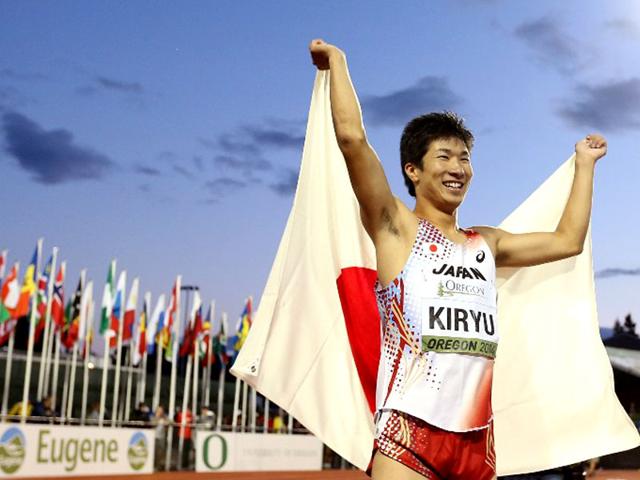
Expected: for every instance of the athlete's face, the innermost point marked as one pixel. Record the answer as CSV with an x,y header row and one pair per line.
x,y
445,175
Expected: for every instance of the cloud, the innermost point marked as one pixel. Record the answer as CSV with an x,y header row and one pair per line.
x,y
275,136
613,106
179,169
254,139
396,108
617,272
12,98
551,45
119,85
246,164
145,170
51,156
219,187
11,74
623,26
287,184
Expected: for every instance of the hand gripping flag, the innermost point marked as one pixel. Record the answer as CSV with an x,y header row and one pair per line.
x,y
314,344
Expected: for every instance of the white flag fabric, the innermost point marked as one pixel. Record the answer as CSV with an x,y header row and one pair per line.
x,y
314,344
553,382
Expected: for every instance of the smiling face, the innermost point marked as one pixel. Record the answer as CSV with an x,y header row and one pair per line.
x,y
445,175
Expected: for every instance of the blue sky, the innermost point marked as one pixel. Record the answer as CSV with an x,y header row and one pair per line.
x,y
168,134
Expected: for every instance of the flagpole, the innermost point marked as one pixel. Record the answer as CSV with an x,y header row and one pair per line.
x,y
47,361
105,379
254,408
7,372
9,361
265,425
143,378
185,405
196,367
32,331
116,382
65,388
56,371
127,401
142,375
174,361
156,388
74,356
290,423
87,354
236,400
245,420
212,306
47,323
223,371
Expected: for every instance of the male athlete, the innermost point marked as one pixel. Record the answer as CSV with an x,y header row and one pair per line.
x,y
436,285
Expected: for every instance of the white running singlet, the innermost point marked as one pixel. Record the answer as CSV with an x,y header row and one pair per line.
x,y
439,333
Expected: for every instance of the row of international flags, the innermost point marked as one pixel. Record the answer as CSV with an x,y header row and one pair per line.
x,y
147,329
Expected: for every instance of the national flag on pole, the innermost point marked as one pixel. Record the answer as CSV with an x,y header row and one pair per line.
x,y
244,325
28,283
168,330
195,321
57,302
130,312
205,339
41,300
85,331
9,295
155,324
107,300
140,344
71,329
117,306
220,343
3,264
318,322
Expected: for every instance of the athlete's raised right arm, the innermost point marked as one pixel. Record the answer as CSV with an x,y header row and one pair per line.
x,y
377,204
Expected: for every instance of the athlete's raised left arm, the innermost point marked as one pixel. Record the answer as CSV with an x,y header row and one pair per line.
x,y
527,249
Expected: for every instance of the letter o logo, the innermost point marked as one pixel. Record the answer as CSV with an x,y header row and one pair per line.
x,y
206,452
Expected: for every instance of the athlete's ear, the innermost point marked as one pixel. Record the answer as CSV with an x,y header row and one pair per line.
x,y
412,172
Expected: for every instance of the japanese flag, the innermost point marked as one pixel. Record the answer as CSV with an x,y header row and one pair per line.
x,y
315,342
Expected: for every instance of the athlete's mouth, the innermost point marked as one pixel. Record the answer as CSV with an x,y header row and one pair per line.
x,y
454,186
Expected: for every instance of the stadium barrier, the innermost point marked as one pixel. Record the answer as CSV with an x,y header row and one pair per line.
x,y
58,451
234,452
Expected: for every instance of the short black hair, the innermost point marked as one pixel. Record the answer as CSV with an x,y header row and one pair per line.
x,y
421,131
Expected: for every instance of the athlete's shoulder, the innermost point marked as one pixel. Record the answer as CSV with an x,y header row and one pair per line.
x,y
490,235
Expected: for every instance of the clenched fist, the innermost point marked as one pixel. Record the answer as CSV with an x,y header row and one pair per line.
x,y
321,52
591,148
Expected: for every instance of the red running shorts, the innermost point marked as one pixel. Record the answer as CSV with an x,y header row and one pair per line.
x,y
435,453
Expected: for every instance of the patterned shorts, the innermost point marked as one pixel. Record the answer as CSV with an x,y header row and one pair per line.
x,y
435,453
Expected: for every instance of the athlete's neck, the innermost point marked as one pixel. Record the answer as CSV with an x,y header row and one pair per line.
x,y
446,222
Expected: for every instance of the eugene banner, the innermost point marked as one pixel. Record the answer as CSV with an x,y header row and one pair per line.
x,y
48,450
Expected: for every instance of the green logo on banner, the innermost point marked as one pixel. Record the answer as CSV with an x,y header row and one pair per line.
x,y
12,450
206,455
138,451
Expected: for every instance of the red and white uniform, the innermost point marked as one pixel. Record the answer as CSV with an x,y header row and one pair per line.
x,y
439,334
